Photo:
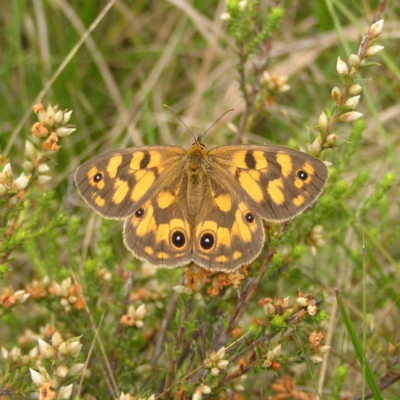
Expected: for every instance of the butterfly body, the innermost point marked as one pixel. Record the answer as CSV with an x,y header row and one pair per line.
x,y
195,205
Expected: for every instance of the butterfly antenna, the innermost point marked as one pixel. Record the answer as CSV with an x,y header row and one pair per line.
x,y
226,112
177,116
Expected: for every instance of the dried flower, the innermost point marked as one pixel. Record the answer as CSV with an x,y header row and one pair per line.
x,y
316,348
134,316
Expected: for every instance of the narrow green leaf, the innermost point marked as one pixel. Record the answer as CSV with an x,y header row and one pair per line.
x,y
358,350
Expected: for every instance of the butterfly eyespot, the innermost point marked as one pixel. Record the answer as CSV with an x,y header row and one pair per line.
x,y
178,239
249,217
139,213
207,241
302,175
98,177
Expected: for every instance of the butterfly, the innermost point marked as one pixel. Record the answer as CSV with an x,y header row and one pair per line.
x,y
200,206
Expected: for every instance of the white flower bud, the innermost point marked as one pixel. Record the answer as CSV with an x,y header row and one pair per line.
x,y
353,102
76,369
373,50
62,370
43,168
341,67
315,358
63,131
354,60
323,121
46,350
355,89
65,392
376,29
20,183
37,378
350,116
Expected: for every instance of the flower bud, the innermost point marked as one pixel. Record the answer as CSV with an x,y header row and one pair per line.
x,y
353,102
336,94
341,67
46,350
355,89
350,116
37,378
65,392
376,29
373,50
331,139
323,121
354,60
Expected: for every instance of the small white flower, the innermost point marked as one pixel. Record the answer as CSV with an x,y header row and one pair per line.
x,y
65,392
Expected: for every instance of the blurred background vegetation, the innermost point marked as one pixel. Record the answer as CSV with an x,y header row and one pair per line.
x,y
139,56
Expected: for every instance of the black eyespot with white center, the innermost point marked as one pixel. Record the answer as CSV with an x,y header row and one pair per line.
x,y
207,241
302,175
178,239
98,177
249,217
139,213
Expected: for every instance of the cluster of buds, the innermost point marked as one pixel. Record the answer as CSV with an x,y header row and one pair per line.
x,y
52,125
271,359
200,390
315,238
274,307
9,185
37,289
241,5
317,350
134,316
8,299
195,279
216,361
36,163
308,303
70,293
15,356
50,381
271,85
127,396
347,98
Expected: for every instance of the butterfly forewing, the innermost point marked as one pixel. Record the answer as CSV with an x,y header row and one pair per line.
x,y
280,182
115,184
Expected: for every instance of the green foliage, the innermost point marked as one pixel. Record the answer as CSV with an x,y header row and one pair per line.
x,y
171,332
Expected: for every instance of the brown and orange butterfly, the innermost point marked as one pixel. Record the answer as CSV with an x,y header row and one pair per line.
x,y
195,205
